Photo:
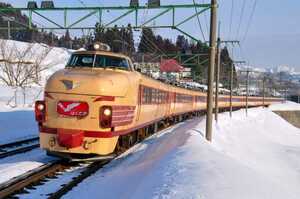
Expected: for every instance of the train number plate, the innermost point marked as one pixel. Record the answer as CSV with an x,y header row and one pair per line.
x,y
73,109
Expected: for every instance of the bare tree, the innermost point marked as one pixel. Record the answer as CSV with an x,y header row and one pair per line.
x,y
21,67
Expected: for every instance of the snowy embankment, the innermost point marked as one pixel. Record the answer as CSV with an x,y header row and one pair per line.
x,y
250,157
16,110
287,106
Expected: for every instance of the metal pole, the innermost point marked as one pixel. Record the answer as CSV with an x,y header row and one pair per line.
x,y
212,45
264,79
8,29
231,88
8,19
217,75
247,92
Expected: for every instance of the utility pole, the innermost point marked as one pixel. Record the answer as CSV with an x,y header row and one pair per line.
x,y
247,91
212,45
217,75
247,88
231,83
219,42
8,19
264,81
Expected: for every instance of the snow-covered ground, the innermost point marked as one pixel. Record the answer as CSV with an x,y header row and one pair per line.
x,y
250,157
16,110
287,106
11,167
254,157
17,122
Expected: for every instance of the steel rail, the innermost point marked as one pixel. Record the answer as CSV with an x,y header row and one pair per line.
x,y
17,184
90,170
18,150
17,147
12,144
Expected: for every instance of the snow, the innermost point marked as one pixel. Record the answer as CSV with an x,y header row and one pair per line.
x,y
18,122
53,184
250,157
13,166
287,106
53,58
16,109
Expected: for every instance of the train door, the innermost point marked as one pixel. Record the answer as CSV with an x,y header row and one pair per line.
x,y
139,104
168,104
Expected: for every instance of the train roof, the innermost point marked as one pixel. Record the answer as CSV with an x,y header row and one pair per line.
x,y
101,52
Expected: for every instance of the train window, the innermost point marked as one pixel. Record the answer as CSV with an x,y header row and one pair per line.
x,y
81,61
147,95
103,61
98,61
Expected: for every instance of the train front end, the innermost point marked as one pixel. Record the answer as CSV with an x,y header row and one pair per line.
x,y
77,118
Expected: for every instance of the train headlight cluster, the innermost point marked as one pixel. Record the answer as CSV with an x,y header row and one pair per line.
x,y
97,46
40,111
101,46
107,112
40,107
105,116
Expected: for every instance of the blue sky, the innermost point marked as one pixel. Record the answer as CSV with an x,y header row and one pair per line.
x,y
273,37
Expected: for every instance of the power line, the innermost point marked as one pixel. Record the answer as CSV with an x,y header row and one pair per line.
x,y
250,19
241,18
231,17
205,17
198,19
82,3
148,39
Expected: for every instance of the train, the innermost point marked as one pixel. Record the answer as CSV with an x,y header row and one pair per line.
x,y
99,105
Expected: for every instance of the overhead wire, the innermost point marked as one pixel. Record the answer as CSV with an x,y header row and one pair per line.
x,y
205,18
231,18
199,23
250,19
148,39
241,18
82,3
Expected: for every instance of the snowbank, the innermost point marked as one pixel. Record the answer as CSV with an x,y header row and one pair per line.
x,y
16,110
250,157
287,106
53,58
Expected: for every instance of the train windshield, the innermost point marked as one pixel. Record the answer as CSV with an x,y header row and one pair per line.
x,y
98,61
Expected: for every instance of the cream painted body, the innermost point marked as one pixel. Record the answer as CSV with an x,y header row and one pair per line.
x,y
90,83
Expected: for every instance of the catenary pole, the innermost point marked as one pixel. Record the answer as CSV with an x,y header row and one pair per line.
x,y
231,83
247,92
219,42
217,77
264,93
212,45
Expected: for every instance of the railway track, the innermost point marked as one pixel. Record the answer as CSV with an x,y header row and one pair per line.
x,y
34,177
16,185
17,147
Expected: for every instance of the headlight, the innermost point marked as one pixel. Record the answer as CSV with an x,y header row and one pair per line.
x,y
107,112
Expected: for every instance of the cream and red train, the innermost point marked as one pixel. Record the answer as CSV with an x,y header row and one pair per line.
x,y
99,103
